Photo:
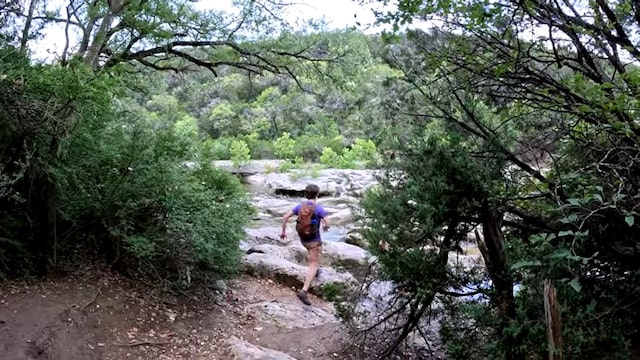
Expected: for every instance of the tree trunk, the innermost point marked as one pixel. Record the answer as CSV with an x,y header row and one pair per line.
x,y
100,39
554,323
91,57
27,26
495,258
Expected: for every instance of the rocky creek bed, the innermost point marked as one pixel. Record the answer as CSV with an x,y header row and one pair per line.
x,y
96,313
345,254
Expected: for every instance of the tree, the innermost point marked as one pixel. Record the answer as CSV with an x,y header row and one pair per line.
x,y
336,104
156,33
84,165
556,119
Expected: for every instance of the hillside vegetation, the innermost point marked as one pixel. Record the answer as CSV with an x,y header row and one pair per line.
x,y
526,146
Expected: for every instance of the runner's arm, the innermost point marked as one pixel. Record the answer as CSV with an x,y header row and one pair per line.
x,y
326,223
285,218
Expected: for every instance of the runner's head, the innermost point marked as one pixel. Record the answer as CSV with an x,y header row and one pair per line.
x,y
311,191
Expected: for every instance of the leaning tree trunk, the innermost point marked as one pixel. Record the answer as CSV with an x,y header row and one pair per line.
x,y
554,323
495,258
27,26
102,35
91,58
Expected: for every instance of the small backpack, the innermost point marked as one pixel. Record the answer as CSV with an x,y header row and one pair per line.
x,y
307,223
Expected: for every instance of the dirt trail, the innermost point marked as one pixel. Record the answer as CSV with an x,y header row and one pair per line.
x,y
106,316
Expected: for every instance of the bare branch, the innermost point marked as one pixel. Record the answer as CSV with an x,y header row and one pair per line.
x,y
155,66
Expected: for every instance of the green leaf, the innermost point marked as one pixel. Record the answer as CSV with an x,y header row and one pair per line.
x,y
575,284
630,219
561,253
565,233
569,219
575,202
525,263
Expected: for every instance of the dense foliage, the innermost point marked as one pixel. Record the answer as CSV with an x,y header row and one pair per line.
x,y
334,109
524,150
531,147
107,148
90,164
81,168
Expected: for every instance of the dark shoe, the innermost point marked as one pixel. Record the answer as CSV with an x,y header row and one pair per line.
x,y
304,297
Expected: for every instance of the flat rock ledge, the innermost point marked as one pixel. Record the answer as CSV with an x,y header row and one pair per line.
x,y
291,274
291,316
244,350
334,254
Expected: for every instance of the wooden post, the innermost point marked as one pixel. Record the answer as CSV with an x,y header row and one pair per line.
x,y
554,324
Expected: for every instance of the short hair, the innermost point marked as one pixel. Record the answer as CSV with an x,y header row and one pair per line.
x,y
311,191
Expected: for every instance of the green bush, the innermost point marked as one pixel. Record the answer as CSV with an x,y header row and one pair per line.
x,y
363,154
286,166
40,105
284,147
240,153
329,157
364,151
209,211
152,214
259,148
311,147
333,291
217,149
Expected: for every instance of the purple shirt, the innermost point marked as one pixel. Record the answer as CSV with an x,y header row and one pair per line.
x,y
320,213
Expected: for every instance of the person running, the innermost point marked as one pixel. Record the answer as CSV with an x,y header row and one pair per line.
x,y
310,216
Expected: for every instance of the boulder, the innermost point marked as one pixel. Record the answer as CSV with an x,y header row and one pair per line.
x,y
290,274
291,316
377,298
262,234
255,180
342,202
275,207
334,254
244,350
339,217
345,255
332,182
293,251
356,239
244,246
266,202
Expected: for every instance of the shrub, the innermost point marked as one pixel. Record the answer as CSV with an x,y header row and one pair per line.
x,y
39,107
151,214
284,147
329,157
217,149
286,166
240,153
364,151
333,291
209,212
311,147
362,154
260,149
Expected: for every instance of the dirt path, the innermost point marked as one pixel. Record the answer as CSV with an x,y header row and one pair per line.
x,y
106,316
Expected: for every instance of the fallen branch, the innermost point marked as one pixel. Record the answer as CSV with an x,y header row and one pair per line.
x,y
146,342
95,297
